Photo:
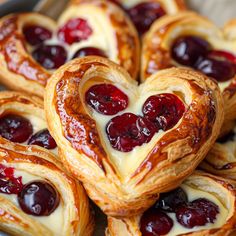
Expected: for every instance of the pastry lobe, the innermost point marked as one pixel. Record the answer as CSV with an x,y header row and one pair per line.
x,y
128,143
190,40
23,125
39,198
203,204
32,46
221,160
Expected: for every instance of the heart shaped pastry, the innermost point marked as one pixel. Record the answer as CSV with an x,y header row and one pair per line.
x,y
221,160
128,143
23,126
188,39
34,193
203,204
144,12
33,45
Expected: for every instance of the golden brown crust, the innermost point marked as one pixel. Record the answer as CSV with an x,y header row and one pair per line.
x,y
157,44
18,103
223,189
77,217
19,70
82,147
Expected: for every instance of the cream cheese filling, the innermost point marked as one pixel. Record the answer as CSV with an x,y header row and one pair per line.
x,y
194,194
54,221
127,162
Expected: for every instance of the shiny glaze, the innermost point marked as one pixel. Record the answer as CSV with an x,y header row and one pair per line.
x,y
11,46
79,128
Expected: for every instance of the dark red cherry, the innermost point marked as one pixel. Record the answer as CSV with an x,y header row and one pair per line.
x,y
197,213
127,131
221,70
106,99
89,51
15,128
9,184
75,30
35,34
50,56
38,198
187,49
171,200
223,55
43,139
165,110
155,223
144,14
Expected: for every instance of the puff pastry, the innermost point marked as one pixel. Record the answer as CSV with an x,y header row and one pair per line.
x,y
25,178
188,39
23,125
221,159
32,46
221,192
110,143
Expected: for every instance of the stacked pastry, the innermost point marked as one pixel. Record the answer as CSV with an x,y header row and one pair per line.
x,y
137,96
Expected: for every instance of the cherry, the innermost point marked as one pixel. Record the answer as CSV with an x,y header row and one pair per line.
x,y
187,49
223,55
38,198
197,213
165,110
144,14
127,131
15,128
75,30
43,139
154,222
9,184
50,56
221,70
106,99
171,200
35,34
89,51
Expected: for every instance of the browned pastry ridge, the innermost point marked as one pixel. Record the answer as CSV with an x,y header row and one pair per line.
x,y
117,37
221,189
157,44
130,187
31,108
72,215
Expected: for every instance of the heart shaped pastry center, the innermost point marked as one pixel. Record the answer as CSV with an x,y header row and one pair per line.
x,y
130,120
52,49
128,130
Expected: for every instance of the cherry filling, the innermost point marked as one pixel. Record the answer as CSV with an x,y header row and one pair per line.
x,y
35,34
75,30
106,99
50,56
144,14
43,139
164,110
128,131
15,128
155,223
89,51
9,184
38,198
199,212
197,53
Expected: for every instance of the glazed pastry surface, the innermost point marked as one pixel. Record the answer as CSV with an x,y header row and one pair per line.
x,y
32,46
18,172
221,192
119,176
